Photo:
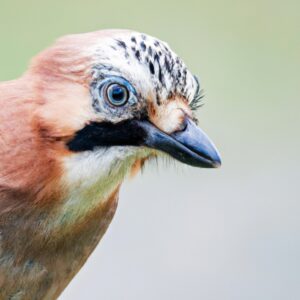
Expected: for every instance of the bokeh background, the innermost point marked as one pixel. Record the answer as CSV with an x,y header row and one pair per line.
x,y
181,232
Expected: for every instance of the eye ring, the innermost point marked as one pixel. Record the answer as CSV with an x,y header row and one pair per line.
x,y
117,94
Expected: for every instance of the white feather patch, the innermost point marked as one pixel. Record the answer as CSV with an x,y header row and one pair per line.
x,y
92,176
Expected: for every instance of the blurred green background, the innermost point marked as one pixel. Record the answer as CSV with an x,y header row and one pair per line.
x,y
180,232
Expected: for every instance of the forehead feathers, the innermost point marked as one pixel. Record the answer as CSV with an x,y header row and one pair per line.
x,y
149,64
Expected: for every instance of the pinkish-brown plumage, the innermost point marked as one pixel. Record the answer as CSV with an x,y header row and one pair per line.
x,y
37,261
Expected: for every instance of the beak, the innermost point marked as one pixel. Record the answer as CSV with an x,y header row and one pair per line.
x,y
190,145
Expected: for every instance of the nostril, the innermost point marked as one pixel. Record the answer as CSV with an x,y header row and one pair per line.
x,y
182,127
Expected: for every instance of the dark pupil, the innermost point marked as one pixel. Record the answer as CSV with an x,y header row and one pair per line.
x,y
118,93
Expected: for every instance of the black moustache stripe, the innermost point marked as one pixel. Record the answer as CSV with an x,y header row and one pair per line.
x,y
105,134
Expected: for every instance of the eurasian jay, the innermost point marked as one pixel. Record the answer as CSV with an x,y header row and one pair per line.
x,y
89,110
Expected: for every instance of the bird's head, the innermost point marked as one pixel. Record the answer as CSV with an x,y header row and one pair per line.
x,y
87,111
121,90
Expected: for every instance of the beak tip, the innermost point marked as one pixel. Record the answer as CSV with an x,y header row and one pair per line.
x,y
217,161
217,164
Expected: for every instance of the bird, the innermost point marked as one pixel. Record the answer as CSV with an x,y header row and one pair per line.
x,y
87,113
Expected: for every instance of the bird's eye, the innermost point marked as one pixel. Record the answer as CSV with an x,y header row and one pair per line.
x,y
117,94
